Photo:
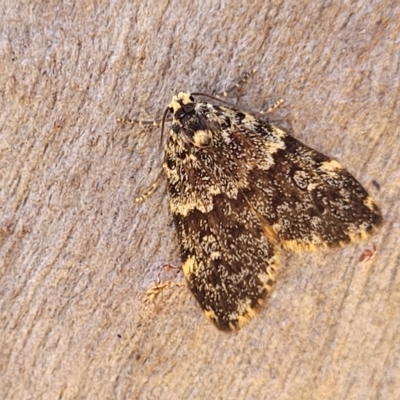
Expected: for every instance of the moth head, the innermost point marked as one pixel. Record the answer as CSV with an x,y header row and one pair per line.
x,y
181,103
189,122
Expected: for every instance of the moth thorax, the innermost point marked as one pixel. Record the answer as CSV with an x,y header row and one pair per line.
x,y
202,138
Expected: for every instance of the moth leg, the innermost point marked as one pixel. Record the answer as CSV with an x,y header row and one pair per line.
x,y
157,289
153,187
243,79
276,104
237,85
127,121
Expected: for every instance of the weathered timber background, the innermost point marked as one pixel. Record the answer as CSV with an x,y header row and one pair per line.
x,y
77,254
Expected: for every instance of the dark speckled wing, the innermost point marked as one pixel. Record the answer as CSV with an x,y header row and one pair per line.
x,y
228,261
311,201
239,188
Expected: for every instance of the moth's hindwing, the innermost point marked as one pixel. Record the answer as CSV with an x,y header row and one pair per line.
x,y
240,189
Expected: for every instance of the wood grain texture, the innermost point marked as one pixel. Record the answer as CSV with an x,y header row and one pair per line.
x,y
77,254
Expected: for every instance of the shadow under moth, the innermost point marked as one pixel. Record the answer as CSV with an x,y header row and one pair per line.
x,y
240,190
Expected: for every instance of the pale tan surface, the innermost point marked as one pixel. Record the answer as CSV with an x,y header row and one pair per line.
x,y
77,254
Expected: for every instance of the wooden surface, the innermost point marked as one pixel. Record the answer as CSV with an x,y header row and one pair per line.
x,y
77,254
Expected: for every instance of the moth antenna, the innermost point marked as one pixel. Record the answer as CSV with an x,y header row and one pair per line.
x,y
163,124
214,98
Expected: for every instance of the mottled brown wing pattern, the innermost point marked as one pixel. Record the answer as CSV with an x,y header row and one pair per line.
x,y
228,261
307,199
311,200
241,188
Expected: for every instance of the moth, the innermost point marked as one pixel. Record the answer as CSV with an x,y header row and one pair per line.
x,y
240,191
